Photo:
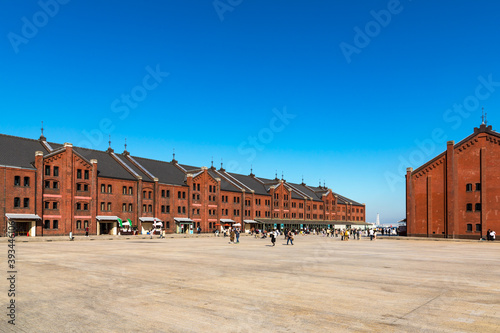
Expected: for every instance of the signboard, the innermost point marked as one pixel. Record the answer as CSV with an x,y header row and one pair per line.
x,y
301,226
282,226
275,226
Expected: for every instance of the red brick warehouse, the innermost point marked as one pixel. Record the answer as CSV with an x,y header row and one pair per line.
x,y
55,189
457,193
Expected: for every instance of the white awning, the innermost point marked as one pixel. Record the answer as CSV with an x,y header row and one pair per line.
x,y
150,219
250,221
183,220
126,223
158,224
237,225
226,221
14,217
107,218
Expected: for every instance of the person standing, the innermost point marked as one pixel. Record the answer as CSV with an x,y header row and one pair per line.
x,y
273,237
493,235
237,233
87,232
231,236
371,234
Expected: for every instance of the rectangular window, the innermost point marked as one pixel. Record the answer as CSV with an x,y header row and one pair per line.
x,y
130,207
26,202
469,207
56,171
168,193
149,194
130,190
85,206
17,181
78,187
26,181
168,209
47,184
86,174
124,190
109,206
103,206
17,202
110,189
79,173
78,224
124,207
144,207
478,186
468,187
46,205
54,205
103,188
55,224
46,224
47,170
469,227
183,195
85,224
163,193
78,206
478,207
198,186
179,195
85,187
478,227
179,209
55,185
184,210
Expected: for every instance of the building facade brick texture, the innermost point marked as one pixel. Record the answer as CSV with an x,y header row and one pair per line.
x,y
61,189
457,194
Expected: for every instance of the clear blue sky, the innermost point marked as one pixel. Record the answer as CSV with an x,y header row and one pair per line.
x,y
359,108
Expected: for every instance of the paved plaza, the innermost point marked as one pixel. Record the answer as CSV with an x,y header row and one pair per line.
x,y
207,285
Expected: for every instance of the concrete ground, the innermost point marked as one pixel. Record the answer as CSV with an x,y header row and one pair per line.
x,y
207,285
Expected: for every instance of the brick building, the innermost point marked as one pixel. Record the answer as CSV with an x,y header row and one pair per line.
x,y
456,194
55,189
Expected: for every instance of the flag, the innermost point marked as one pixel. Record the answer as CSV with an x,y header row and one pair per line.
x,y
120,221
130,221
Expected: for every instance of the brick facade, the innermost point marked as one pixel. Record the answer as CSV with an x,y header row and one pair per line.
x,y
69,188
455,195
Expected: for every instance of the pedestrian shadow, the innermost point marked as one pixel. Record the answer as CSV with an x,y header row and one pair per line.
x,y
269,245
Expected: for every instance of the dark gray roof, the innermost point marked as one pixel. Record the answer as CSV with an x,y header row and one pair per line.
x,y
252,183
19,152
107,166
189,167
166,172
316,196
138,171
224,184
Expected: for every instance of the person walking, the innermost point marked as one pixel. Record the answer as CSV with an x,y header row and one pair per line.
x,y
289,237
237,233
371,234
273,237
87,232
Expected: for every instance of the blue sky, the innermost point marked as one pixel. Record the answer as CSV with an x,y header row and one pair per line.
x,y
349,93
